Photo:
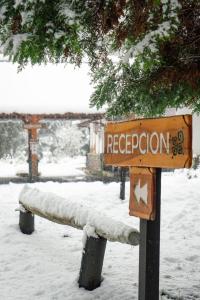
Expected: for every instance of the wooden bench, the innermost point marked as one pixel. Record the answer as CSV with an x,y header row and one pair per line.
x,y
97,227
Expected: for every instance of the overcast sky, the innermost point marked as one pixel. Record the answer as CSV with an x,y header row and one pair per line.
x,y
44,89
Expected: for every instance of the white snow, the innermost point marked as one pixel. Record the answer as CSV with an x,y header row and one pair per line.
x,y
45,89
17,3
2,12
46,264
149,41
88,231
78,214
68,13
67,167
17,40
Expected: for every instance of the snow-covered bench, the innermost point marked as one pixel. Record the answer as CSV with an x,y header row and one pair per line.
x,y
97,227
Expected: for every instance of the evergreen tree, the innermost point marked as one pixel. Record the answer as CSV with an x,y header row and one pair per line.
x,y
61,139
13,140
144,55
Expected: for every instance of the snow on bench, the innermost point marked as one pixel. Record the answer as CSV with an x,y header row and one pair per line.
x,y
78,215
98,228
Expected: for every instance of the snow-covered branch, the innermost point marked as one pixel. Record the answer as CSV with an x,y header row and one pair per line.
x,y
150,40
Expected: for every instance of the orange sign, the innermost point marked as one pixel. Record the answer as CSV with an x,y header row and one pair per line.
x,y
142,193
164,142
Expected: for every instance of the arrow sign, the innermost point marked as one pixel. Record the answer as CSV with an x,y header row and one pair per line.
x,y
141,193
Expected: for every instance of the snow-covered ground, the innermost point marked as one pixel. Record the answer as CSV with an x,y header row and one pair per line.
x,y
45,265
67,167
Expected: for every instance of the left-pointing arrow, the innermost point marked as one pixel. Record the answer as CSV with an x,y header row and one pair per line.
x,y
141,193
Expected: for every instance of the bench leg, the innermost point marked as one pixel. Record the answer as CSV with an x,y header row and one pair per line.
x,y
26,222
92,263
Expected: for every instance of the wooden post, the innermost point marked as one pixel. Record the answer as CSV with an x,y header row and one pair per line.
x,y
122,182
33,158
26,222
32,127
149,251
92,263
148,143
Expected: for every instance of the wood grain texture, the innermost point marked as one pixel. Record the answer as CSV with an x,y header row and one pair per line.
x,y
163,142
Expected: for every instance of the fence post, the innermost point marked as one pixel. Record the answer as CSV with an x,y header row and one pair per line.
x,y
26,222
149,251
92,263
122,182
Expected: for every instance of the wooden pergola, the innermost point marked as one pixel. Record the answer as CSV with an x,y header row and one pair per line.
x,y
32,123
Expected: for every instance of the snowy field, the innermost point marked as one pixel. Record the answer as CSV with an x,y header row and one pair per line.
x,y
45,265
67,167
